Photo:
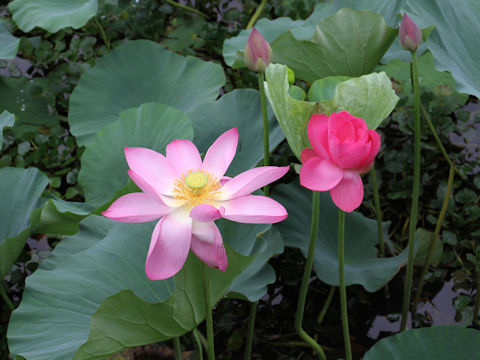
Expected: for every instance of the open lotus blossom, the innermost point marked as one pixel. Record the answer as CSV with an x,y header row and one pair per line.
x,y
187,195
343,148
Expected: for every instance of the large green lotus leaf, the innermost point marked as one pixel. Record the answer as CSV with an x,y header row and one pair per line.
x,y
324,89
19,96
252,283
292,114
233,48
8,42
431,79
53,319
20,190
444,342
454,42
136,73
126,320
370,97
104,168
52,15
349,43
6,120
61,217
361,235
240,109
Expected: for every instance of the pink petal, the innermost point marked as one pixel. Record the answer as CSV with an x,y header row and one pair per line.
x,y
307,154
184,156
221,153
348,155
348,194
375,140
251,180
345,125
317,130
206,213
254,209
169,246
207,244
320,174
340,125
136,207
152,168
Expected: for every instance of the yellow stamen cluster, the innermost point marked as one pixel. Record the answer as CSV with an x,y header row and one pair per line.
x,y
196,187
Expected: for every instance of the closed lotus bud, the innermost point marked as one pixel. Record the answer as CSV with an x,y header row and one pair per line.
x,y
410,34
258,52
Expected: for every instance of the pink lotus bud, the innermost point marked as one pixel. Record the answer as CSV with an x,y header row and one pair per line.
x,y
258,52
410,34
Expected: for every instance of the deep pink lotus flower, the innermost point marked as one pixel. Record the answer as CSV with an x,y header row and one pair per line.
x,y
258,52
187,195
410,34
343,148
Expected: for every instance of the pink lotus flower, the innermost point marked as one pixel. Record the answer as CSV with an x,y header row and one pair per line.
x,y
187,195
343,148
410,34
258,52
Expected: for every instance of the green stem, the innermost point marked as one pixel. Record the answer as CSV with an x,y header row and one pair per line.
x,y
415,194
209,316
102,33
378,213
202,339
343,288
440,145
256,14
325,307
177,347
436,233
306,278
187,8
198,345
5,297
251,330
266,146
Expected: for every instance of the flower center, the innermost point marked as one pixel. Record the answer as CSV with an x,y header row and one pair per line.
x,y
196,187
196,180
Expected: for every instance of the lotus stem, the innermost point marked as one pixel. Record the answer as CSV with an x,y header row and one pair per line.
x,y
415,194
440,145
343,288
306,277
378,213
102,33
251,330
5,297
198,345
177,348
436,233
256,14
187,8
266,146
209,316
325,307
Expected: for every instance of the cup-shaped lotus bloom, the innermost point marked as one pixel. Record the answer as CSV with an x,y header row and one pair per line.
x,y
187,195
258,52
343,148
410,34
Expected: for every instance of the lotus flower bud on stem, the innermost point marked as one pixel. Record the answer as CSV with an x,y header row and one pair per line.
x,y
410,34
258,52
